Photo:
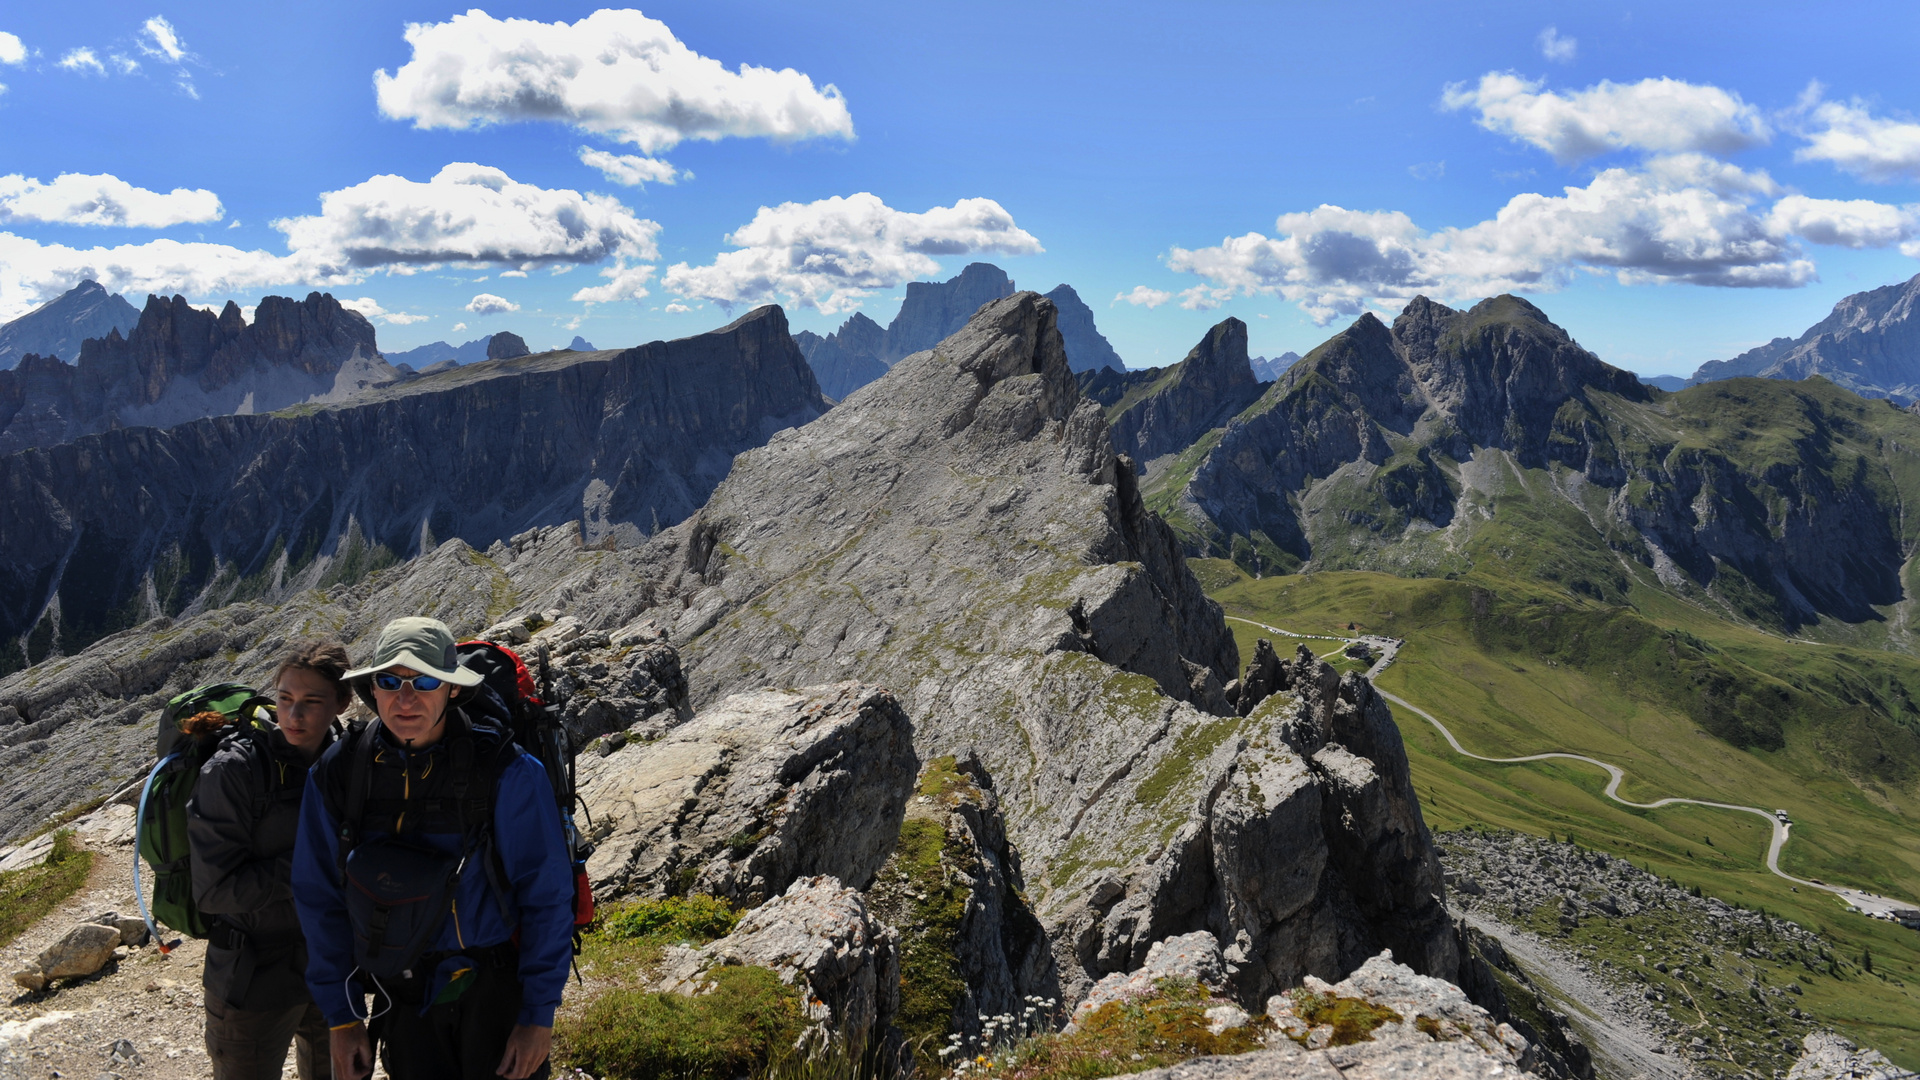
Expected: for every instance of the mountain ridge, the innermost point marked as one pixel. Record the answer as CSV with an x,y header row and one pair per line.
x,y
1869,343
59,326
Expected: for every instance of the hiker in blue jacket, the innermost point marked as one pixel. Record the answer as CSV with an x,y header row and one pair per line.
x,y
430,871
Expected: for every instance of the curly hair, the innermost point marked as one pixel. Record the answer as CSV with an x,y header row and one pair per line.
x,y
324,657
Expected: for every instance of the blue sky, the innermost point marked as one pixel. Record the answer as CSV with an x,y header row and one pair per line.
x,y
1735,169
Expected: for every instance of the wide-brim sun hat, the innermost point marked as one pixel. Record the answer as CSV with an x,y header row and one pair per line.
x,y
420,643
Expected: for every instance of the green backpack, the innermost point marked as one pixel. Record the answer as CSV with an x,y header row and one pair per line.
x,y
191,727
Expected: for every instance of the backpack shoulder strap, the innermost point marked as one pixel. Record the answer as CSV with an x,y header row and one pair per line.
x,y
359,782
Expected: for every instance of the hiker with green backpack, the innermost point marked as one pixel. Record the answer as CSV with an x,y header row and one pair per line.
x,y
241,824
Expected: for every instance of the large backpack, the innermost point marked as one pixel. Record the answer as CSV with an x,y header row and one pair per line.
x,y
191,728
537,729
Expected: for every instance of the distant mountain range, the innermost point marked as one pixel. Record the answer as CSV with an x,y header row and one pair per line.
x,y
57,327
1870,344
1267,370
180,362
861,351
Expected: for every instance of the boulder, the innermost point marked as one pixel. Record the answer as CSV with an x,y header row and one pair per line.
x,y
83,950
751,794
1195,957
1826,1056
817,934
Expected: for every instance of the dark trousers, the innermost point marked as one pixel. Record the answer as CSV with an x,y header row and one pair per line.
x,y
251,1044
461,1040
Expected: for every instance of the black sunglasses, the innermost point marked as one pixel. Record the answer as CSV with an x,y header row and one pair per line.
x,y
421,684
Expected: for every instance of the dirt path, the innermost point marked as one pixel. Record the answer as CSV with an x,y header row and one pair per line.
x,y
150,1000
1610,1024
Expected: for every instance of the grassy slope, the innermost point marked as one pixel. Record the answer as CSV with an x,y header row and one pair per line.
x,y
1508,695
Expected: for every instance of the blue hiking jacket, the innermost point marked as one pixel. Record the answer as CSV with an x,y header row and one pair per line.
x,y
533,856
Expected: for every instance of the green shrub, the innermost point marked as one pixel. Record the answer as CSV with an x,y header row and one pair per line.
x,y
1132,1036
749,1020
29,893
693,919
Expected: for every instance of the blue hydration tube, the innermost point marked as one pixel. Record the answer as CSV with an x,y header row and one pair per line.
x,y
139,895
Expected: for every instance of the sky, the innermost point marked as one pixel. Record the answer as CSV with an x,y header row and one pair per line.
x,y
1672,183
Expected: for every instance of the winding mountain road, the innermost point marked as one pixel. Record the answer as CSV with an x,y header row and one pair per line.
x,y
1865,902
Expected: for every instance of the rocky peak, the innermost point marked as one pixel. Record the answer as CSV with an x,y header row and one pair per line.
x,y
849,358
1192,397
506,345
57,327
1869,343
1087,347
934,310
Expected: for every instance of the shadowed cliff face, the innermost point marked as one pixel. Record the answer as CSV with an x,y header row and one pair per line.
x,y
962,532
1200,393
124,525
1456,437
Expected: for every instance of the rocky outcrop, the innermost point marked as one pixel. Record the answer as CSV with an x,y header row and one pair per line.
x,y
132,524
848,358
1194,957
506,346
753,793
181,362
962,532
1826,1056
1869,343
1183,402
1087,347
817,934
57,327
971,948
935,310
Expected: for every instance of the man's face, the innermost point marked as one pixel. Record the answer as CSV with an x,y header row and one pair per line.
x,y
413,716
305,704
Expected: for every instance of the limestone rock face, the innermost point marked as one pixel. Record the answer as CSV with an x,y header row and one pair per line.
x,y
816,934
751,794
954,888
133,523
1087,348
935,310
1200,393
57,327
962,532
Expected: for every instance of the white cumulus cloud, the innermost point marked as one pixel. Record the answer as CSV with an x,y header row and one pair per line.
x,y
368,306
1685,218
489,304
467,214
1661,116
832,253
1851,223
12,49
616,73
1856,141
629,169
1142,296
624,283
84,61
1560,50
82,199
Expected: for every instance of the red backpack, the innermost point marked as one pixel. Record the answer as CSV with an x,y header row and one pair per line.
x,y
538,730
